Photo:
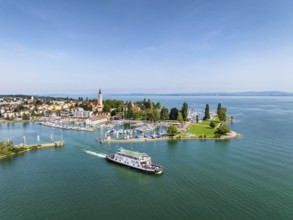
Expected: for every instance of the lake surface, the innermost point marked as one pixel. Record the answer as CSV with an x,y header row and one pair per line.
x,y
248,178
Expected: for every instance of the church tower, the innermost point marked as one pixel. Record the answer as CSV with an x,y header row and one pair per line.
x,y
100,99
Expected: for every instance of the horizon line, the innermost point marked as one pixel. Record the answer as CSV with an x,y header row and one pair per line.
x,y
246,93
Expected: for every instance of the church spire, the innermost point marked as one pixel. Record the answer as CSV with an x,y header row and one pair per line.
x,y
100,100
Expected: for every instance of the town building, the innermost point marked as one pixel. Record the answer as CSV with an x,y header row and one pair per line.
x,y
82,114
97,120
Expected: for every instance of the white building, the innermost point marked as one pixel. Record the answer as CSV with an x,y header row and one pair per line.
x,y
9,114
82,114
97,120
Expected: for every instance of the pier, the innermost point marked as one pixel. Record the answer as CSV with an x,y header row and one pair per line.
x,y
52,144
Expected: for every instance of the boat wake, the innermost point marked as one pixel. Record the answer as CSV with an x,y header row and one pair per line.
x,y
95,154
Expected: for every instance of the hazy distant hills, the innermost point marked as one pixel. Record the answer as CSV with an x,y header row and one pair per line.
x,y
264,93
90,95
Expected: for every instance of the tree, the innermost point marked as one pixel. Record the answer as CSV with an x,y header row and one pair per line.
x,y
106,107
219,107
197,119
120,108
212,124
148,105
158,106
172,130
25,116
164,114
38,102
222,114
130,112
207,113
113,113
222,130
179,117
173,114
34,114
19,108
137,115
155,115
184,111
152,115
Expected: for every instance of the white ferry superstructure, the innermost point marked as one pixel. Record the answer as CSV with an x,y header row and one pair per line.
x,y
136,160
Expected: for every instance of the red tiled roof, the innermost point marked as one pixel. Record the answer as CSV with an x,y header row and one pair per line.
x,y
98,117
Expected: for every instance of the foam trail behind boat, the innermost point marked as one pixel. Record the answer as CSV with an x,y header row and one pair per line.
x,y
95,154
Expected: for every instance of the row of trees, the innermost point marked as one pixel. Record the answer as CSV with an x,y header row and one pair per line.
x,y
85,106
110,104
148,110
156,112
222,115
221,112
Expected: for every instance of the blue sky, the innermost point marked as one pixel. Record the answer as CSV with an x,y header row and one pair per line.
x,y
70,46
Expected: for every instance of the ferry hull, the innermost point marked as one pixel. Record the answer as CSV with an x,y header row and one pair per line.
x,y
152,171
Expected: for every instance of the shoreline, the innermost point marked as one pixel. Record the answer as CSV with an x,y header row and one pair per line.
x,y
34,147
233,135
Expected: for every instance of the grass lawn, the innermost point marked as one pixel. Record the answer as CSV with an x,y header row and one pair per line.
x,y
200,129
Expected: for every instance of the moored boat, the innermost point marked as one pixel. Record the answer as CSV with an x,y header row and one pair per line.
x,y
136,160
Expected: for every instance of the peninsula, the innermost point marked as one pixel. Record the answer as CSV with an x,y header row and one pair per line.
x,y
153,121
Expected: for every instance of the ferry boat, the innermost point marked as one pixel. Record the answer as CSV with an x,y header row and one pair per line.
x,y
136,160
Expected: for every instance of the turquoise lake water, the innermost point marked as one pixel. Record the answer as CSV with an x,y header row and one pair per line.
x,y
248,178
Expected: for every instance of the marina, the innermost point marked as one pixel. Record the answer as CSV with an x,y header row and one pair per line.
x,y
135,132
68,127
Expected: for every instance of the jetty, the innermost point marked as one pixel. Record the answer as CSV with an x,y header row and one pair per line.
x,y
52,144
